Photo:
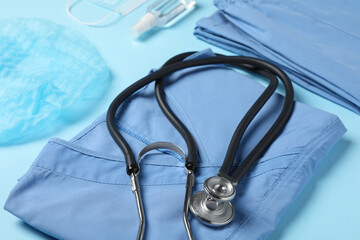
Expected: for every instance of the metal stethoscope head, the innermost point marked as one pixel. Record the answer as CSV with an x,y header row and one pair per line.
x,y
212,205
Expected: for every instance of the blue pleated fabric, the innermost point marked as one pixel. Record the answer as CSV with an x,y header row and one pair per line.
x,y
79,189
316,43
49,75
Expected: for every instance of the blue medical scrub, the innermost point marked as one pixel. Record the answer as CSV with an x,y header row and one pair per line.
x,y
79,189
316,43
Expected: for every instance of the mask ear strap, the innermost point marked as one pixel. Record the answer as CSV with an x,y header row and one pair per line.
x,y
68,7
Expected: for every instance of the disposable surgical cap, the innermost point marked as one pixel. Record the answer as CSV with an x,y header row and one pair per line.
x,y
47,73
316,42
79,189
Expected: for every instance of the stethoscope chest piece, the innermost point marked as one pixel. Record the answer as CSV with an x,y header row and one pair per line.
x,y
212,206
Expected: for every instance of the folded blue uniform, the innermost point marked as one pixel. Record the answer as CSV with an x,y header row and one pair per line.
x,y
316,43
79,189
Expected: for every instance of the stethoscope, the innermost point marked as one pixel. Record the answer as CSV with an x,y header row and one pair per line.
x,y
212,205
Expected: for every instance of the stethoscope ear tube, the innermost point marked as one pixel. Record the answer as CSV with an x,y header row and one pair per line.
x,y
190,182
135,187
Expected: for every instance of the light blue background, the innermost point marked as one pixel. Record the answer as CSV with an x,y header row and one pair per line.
x,y
329,206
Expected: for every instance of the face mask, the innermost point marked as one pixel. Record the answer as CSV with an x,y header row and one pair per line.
x,y
122,7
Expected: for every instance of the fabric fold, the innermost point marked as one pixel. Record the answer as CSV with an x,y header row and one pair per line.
x,y
315,46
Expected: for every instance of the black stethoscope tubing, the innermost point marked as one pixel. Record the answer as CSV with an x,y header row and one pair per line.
x,y
261,67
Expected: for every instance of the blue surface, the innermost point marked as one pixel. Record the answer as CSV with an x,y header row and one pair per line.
x,y
328,207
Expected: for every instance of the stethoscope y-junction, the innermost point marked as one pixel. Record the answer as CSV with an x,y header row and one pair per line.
x,y
212,205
